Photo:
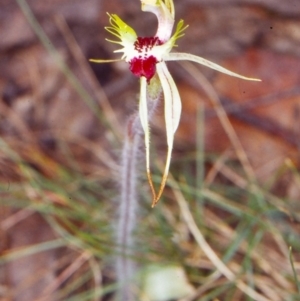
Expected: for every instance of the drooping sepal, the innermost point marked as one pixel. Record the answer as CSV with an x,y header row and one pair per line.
x,y
172,117
143,112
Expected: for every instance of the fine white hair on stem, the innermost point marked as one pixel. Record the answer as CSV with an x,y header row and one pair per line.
x,y
128,204
127,217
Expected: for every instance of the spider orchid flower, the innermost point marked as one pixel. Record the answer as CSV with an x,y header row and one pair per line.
x,y
147,57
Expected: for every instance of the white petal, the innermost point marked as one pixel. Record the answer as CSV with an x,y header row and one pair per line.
x,y
143,111
171,98
172,116
175,56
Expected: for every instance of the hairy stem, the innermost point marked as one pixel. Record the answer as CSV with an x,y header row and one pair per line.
x,y
128,202
128,207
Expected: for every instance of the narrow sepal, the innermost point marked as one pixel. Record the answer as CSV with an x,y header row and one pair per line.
x,y
103,61
172,117
178,56
143,112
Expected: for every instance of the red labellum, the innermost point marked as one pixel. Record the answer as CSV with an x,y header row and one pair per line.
x,y
144,65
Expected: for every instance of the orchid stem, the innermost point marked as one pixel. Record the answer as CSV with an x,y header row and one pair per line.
x,y
128,208
128,205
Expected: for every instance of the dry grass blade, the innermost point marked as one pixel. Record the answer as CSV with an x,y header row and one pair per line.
x,y
220,266
89,75
15,218
294,270
72,268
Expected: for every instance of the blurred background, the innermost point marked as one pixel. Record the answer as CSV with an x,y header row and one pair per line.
x,y
235,162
